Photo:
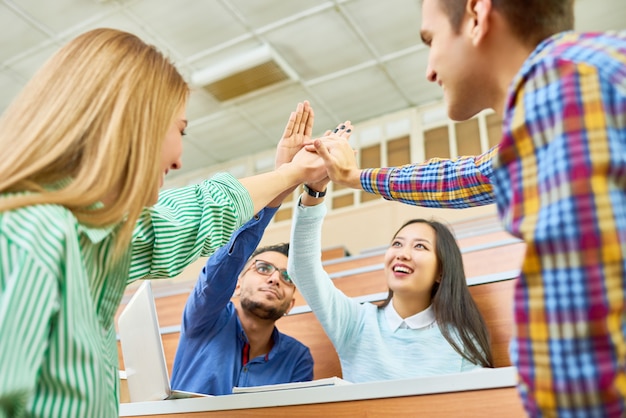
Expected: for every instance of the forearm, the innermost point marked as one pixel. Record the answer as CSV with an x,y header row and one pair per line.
x,y
270,188
218,279
333,309
440,183
187,223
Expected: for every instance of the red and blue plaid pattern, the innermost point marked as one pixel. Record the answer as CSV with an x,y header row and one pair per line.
x,y
560,182
440,183
559,175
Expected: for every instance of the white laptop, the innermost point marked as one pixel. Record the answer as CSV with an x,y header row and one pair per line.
x,y
142,349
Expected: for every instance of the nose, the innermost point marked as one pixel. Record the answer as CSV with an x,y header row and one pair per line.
x,y
177,165
431,74
404,253
274,277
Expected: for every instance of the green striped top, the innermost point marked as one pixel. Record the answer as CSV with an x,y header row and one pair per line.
x,y
59,292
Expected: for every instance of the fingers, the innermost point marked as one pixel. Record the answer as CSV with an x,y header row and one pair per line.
x,y
343,130
321,150
294,121
308,126
299,115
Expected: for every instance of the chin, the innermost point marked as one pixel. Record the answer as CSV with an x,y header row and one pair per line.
x,y
462,107
460,113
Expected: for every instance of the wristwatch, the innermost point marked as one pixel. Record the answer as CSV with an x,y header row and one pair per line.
x,y
313,193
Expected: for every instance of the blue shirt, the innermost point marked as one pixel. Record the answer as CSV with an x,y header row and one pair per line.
x,y
209,356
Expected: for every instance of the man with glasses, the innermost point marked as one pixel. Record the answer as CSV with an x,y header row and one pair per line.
x,y
226,343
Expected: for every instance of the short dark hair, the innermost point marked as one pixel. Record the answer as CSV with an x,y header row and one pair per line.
x,y
282,248
532,21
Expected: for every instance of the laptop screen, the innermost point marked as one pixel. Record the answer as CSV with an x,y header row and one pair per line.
x,y
142,348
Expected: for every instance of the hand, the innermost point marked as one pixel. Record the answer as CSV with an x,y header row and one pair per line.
x,y
297,132
339,157
343,131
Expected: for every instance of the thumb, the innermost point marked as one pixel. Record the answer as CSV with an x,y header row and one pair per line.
x,y
321,149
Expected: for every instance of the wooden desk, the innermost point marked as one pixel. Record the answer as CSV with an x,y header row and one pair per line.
x,y
485,393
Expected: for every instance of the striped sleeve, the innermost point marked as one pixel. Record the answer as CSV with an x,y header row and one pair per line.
x,y
437,183
187,223
28,296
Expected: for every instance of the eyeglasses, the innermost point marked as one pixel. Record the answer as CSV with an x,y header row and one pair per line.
x,y
267,269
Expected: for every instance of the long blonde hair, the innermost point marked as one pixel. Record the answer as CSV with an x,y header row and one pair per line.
x,y
95,114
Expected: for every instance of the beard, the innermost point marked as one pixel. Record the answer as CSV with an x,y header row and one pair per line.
x,y
261,311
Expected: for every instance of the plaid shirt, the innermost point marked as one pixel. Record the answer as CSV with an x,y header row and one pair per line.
x,y
560,183
560,180
436,183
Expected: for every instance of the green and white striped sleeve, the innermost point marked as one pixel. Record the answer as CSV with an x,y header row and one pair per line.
x,y
28,301
187,223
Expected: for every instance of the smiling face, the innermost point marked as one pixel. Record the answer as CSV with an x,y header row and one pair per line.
x,y
455,62
172,150
267,297
411,264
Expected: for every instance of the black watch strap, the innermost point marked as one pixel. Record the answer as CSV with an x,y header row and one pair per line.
x,y
313,193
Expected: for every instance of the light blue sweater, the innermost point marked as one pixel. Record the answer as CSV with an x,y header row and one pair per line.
x,y
368,348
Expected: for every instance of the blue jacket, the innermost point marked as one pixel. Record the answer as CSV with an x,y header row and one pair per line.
x,y
209,355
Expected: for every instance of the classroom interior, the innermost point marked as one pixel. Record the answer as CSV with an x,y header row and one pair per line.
x,y
360,60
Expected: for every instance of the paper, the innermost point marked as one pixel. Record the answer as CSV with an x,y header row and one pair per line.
x,y
329,381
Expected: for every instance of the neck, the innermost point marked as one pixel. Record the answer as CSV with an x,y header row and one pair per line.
x,y
410,305
508,54
259,332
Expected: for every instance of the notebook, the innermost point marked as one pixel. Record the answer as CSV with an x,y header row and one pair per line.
x,y
142,350
328,381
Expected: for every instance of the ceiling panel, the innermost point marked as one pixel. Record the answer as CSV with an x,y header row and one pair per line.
x,y
229,136
352,59
259,14
58,15
594,15
409,73
366,94
9,89
118,19
389,26
18,36
319,44
194,159
26,67
211,23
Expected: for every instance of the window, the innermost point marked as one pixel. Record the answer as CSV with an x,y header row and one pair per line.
x,y
436,143
494,129
370,158
468,137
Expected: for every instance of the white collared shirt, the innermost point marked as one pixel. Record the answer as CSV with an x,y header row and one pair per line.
x,y
424,319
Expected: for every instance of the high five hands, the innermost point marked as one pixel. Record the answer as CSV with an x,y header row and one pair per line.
x,y
326,158
338,156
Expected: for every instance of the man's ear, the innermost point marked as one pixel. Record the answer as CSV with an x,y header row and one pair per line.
x,y
238,287
479,12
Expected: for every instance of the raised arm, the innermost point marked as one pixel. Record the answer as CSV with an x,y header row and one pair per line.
x,y
334,310
297,132
218,278
441,183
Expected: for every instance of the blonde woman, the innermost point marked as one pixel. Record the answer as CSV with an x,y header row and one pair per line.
x,y
85,148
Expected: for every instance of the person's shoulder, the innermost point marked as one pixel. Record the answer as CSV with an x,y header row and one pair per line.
x,y
591,48
40,227
291,344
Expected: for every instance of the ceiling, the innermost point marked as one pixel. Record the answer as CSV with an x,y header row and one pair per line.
x,y
352,59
